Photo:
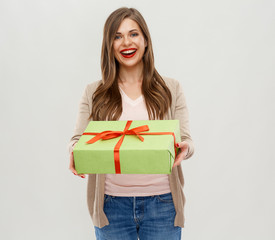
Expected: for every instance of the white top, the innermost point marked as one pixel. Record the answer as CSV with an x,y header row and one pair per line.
x,y
135,184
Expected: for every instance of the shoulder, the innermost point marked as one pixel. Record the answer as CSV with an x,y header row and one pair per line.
x,y
91,88
171,83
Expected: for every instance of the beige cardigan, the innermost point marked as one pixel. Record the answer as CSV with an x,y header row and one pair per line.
x,y
96,182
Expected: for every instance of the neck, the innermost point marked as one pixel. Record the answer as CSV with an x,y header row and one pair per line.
x,y
131,74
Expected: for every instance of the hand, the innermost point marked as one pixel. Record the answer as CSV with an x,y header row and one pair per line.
x,y
184,146
72,167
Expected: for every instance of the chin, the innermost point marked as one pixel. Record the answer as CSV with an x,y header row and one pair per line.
x,y
128,64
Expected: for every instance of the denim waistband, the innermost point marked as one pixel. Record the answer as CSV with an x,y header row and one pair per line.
x,y
161,195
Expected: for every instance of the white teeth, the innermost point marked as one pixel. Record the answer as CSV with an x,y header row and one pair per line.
x,y
129,51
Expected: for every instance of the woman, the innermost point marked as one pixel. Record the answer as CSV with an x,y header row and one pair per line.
x,y
131,206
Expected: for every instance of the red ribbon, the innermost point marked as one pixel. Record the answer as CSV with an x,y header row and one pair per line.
x,y
134,131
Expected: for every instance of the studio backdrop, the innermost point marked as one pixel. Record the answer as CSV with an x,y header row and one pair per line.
x,y
222,52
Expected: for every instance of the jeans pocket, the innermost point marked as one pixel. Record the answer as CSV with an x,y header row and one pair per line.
x,y
107,198
167,197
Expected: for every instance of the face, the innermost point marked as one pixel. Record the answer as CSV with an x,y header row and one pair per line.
x,y
129,44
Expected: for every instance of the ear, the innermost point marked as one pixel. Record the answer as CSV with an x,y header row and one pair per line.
x,y
145,43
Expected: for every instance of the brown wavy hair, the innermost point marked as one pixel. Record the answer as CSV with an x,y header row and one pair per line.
x,y
107,102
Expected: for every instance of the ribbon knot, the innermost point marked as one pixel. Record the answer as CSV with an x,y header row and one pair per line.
x,y
105,135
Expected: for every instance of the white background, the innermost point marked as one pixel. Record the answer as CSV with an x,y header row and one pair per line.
x,y
223,54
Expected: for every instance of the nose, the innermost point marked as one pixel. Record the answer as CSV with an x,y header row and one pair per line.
x,y
127,41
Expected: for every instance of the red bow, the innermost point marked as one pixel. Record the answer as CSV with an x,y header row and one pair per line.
x,y
113,134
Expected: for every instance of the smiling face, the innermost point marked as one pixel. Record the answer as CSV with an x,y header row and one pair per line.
x,y
129,44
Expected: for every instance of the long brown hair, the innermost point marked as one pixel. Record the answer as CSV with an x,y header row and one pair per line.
x,y
107,103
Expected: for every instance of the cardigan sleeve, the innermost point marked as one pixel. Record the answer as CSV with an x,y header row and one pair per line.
x,y
82,119
182,114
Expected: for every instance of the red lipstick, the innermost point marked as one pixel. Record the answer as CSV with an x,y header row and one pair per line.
x,y
127,49
128,55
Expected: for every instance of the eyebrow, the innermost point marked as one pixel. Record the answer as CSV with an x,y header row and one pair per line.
x,y
129,31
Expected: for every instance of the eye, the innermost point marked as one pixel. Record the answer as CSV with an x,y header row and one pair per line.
x,y
134,34
117,37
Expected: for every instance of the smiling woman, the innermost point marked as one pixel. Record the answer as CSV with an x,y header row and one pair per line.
x,y
129,44
131,206
124,29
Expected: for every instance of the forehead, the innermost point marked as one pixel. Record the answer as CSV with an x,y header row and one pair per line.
x,y
127,24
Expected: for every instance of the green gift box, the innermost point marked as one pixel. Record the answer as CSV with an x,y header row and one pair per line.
x,y
127,147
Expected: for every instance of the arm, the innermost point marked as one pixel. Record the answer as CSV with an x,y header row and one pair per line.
x,y
181,113
81,124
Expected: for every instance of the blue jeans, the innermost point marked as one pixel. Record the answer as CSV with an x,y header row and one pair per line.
x,y
144,218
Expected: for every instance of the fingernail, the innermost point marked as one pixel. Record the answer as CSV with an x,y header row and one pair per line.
x,y
177,145
82,176
74,173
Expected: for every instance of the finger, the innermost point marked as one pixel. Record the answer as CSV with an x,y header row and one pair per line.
x,y
81,175
181,154
75,173
179,158
182,145
176,163
72,165
73,170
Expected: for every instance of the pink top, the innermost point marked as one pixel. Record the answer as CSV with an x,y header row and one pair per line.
x,y
135,184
